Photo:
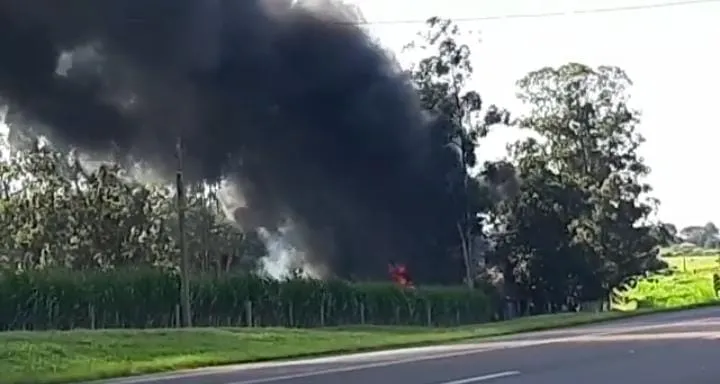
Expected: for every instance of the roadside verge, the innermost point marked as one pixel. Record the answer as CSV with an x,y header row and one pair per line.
x,y
68,356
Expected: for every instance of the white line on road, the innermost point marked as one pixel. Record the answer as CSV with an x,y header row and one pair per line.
x,y
360,367
416,359
467,349
478,379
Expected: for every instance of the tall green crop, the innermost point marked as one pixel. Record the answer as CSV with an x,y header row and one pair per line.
x,y
146,298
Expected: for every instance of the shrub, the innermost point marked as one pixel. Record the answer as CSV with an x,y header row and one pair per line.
x,y
145,298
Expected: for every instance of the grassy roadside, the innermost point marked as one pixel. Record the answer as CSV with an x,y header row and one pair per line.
x,y
61,357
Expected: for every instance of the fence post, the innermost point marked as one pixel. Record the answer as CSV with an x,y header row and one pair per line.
x,y
322,311
91,314
178,321
248,313
291,315
362,313
428,309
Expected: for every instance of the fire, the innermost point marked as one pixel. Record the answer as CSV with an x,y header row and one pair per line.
x,y
399,274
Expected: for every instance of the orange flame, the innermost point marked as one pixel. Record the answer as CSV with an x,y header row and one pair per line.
x,y
400,275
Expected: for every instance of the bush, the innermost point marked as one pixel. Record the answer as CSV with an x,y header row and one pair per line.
x,y
149,299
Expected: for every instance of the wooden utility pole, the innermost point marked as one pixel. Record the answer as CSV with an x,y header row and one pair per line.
x,y
185,260
465,230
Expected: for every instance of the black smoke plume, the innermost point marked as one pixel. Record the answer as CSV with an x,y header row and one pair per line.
x,y
292,102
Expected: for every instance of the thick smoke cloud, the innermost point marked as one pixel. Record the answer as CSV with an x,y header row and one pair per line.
x,y
291,102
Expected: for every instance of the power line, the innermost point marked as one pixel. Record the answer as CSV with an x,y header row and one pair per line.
x,y
628,8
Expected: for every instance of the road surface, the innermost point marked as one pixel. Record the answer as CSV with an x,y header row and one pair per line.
x,y
674,348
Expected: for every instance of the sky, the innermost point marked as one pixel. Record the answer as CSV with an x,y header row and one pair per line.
x,y
667,52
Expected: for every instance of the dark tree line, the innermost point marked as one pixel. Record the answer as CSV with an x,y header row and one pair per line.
x,y
705,236
702,236
563,219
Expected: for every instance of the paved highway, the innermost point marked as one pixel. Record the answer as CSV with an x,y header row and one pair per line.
x,y
675,348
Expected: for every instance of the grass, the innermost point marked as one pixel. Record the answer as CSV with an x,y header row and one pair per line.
x,y
694,263
665,291
67,356
689,281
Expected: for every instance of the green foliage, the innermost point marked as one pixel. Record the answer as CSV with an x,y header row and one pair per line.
x,y
688,280
579,223
704,236
666,291
54,213
144,298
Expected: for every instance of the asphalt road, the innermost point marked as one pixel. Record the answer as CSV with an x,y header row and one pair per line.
x,y
673,348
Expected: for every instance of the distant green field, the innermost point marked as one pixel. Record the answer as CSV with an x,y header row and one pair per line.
x,y
690,282
666,291
694,263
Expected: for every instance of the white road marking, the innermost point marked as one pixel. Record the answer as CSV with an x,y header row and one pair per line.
x,y
478,379
464,350
353,368
459,350
487,348
650,336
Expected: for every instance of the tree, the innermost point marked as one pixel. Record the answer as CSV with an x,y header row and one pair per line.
x,y
441,79
538,262
703,236
54,212
711,236
711,229
666,234
579,225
